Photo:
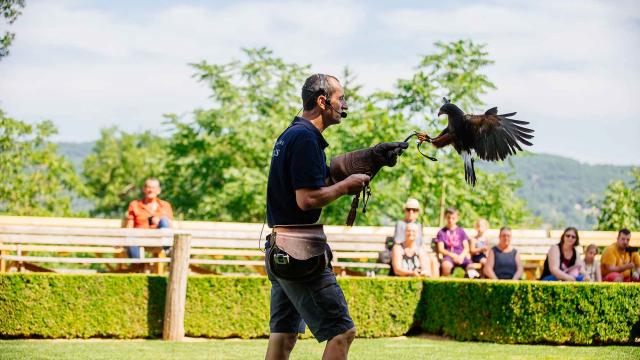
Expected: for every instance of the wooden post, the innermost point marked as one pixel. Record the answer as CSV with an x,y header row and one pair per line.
x,y
173,327
443,198
3,262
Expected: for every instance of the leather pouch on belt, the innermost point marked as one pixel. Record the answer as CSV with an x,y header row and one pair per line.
x,y
301,241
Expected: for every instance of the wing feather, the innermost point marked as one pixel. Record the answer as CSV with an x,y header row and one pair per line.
x,y
497,136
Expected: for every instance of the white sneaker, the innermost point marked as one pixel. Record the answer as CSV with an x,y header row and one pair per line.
x,y
473,274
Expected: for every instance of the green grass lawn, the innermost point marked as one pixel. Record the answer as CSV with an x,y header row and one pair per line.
x,y
388,349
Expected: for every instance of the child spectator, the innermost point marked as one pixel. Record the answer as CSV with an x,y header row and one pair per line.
x,y
479,244
591,265
453,244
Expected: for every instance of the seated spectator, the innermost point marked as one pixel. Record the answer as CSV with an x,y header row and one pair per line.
x,y
503,261
148,213
408,258
617,263
563,262
591,265
479,244
411,212
453,244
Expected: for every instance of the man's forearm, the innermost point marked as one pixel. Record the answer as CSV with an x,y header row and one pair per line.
x,y
621,268
318,198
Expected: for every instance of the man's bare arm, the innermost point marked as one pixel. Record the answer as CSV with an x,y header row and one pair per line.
x,y
308,198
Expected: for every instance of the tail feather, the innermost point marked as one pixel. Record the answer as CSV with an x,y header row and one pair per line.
x,y
469,171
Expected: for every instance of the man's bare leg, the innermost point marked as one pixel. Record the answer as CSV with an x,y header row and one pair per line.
x,y
280,346
338,347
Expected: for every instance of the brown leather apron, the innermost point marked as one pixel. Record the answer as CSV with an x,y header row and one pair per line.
x,y
300,241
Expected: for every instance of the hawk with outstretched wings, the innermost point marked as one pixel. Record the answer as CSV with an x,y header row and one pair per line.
x,y
493,137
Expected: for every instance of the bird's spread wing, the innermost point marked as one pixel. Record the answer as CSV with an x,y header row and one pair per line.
x,y
497,136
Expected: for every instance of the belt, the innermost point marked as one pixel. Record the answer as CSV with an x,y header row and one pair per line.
x,y
300,241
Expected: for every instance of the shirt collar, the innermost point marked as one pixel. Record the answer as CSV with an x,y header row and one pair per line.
x,y
309,126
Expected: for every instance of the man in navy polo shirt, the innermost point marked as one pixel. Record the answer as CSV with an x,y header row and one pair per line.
x,y
300,184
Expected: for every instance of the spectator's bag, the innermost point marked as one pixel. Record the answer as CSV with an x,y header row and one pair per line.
x,y
298,252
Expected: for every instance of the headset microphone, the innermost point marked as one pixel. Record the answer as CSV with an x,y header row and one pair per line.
x,y
343,114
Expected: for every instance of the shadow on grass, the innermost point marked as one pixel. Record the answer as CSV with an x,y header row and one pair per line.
x,y
156,297
634,334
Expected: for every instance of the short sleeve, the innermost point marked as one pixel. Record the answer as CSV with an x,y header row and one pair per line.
x,y
608,258
464,235
635,258
169,210
307,167
440,236
131,214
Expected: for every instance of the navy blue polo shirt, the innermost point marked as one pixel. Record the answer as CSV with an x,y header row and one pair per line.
x,y
298,161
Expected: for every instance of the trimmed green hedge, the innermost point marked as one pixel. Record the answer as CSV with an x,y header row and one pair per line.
x,y
532,312
132,306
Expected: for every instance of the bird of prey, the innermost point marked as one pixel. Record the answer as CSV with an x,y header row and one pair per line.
x,y
493,137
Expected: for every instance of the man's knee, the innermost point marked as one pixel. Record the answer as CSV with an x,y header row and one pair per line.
x,y
346,338
288,341
164,223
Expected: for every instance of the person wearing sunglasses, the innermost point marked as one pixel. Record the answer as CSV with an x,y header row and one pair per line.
x,y
427,262
562,262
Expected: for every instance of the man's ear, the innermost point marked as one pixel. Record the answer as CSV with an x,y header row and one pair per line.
x,y
321,102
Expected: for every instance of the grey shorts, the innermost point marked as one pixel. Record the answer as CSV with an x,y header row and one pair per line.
x,y
319,303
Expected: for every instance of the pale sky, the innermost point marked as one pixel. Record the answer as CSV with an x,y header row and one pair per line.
x,y
571,68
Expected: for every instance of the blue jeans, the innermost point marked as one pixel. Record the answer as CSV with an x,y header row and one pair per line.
x,y
553,278
134,252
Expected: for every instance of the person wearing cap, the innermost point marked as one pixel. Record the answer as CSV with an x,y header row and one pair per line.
x,y
427,262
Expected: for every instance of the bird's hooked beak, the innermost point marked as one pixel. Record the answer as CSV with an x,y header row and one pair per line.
x,y
440,112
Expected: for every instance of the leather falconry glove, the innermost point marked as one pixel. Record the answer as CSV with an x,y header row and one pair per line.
x,y
365,161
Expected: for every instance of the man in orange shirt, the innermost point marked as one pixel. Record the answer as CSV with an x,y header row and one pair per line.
x,y
148,213
617,263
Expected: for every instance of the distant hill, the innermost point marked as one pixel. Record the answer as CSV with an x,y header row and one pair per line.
x,y
75,152
556,188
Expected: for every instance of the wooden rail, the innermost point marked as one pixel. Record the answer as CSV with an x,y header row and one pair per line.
x,y
222,243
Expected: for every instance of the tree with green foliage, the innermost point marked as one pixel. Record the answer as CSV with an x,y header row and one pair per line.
x,y
453,71
36,181
118,165
10,10
218,163
620,207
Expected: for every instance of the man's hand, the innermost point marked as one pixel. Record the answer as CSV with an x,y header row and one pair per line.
x,y
354,183
628,266
388,152
458,259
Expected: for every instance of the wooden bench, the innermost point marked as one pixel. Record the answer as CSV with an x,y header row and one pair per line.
x,y
221,244
213,244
